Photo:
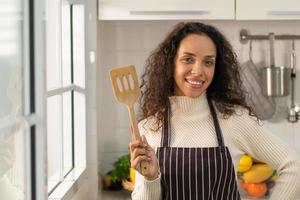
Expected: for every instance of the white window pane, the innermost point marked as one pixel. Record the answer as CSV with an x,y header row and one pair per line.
x,y
11,58
13,160
78,45
53,46
54,137
67,132
66,43
10,27
79,130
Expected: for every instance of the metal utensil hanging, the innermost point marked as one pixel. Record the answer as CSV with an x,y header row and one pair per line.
x,y
263,106
293,111
275,79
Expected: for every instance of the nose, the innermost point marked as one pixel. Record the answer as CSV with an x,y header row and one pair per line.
x,y
197,69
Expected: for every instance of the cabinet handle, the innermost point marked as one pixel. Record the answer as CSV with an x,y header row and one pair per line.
x,y
283,12
169,12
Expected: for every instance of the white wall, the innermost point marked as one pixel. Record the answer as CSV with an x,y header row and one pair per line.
x,y
130,42
92,146
88,189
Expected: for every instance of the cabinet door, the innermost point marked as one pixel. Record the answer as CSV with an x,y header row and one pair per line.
x,y
267,9
165,9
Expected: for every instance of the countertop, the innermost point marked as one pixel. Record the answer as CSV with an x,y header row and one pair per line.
x,y
114,195
125,195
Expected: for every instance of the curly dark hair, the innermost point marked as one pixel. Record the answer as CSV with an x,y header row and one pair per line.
x,y
158,81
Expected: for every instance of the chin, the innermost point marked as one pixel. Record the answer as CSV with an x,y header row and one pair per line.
x,y
193,95
194,92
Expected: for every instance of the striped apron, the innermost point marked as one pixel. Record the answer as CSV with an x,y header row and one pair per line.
x,y
196,173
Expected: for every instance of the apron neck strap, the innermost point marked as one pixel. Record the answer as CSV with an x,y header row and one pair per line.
x,y
166,133
216,123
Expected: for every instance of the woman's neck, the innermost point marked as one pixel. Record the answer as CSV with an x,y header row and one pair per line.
x,y
185,104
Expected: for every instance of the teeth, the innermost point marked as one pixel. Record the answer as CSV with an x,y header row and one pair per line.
x,y
194,82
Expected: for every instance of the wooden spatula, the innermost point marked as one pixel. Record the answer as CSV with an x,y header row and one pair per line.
x,y
127,91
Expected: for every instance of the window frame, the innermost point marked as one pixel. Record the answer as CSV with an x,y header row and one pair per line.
x,y
34,113
34,109
66,187
33,103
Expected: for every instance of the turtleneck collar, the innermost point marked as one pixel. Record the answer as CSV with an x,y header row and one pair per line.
x,y
185,104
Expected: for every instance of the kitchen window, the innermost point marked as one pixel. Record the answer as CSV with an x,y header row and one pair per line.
x,y
17,101
66,93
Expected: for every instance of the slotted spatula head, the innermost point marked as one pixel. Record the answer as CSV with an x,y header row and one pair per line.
x,y
125,84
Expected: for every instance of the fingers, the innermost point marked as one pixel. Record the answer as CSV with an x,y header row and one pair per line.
x,y
139,152
137,144
136,163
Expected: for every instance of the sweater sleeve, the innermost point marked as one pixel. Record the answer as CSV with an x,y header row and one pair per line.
x,y
255,141
144,189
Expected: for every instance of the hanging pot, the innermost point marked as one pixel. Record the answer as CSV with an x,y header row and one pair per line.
x,y
275,79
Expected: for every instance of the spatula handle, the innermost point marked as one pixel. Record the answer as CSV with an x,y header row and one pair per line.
x,y
135,135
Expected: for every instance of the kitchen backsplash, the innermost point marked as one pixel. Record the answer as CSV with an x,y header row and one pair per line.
x,y
130,42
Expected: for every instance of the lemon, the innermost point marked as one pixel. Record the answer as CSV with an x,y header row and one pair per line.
x,y
245,163
132,175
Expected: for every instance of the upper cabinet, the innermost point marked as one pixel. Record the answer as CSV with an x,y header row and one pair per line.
x,y
165,9
199,9
267,9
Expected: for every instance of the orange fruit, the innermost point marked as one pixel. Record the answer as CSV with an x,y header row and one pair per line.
x,y
243,185
255,189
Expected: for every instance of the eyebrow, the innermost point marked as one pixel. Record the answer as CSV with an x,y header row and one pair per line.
x,y
211,56
191,54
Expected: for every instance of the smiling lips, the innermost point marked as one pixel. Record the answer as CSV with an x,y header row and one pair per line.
x,y
195,83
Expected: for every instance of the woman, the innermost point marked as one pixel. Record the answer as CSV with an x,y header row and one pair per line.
x,y
195,123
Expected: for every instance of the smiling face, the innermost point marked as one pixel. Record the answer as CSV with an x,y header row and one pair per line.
x,y
194,65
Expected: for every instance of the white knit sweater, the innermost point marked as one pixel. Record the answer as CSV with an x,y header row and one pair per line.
x,y
192,126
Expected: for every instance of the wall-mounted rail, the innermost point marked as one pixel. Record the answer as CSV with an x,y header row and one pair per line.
x,y
245,36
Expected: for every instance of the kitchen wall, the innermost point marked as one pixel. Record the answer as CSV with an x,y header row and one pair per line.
x,y
88,187
130,42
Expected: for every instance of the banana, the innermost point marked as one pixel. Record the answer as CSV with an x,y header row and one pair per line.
x,y
258,173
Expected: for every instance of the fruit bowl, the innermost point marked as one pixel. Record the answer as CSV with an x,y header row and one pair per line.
x,y
256,178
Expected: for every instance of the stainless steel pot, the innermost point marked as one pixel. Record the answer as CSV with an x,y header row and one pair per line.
x,y
275,79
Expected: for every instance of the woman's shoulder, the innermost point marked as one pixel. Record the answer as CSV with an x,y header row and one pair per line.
x,y
242,126
243,112
241,117
240,111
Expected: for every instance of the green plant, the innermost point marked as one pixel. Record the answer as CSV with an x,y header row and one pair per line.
x,y
121,169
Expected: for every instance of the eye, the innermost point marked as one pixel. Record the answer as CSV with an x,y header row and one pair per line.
x,y
209,63
188,60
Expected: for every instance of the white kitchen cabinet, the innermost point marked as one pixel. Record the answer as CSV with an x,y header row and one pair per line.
x,y
267,9
165,9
